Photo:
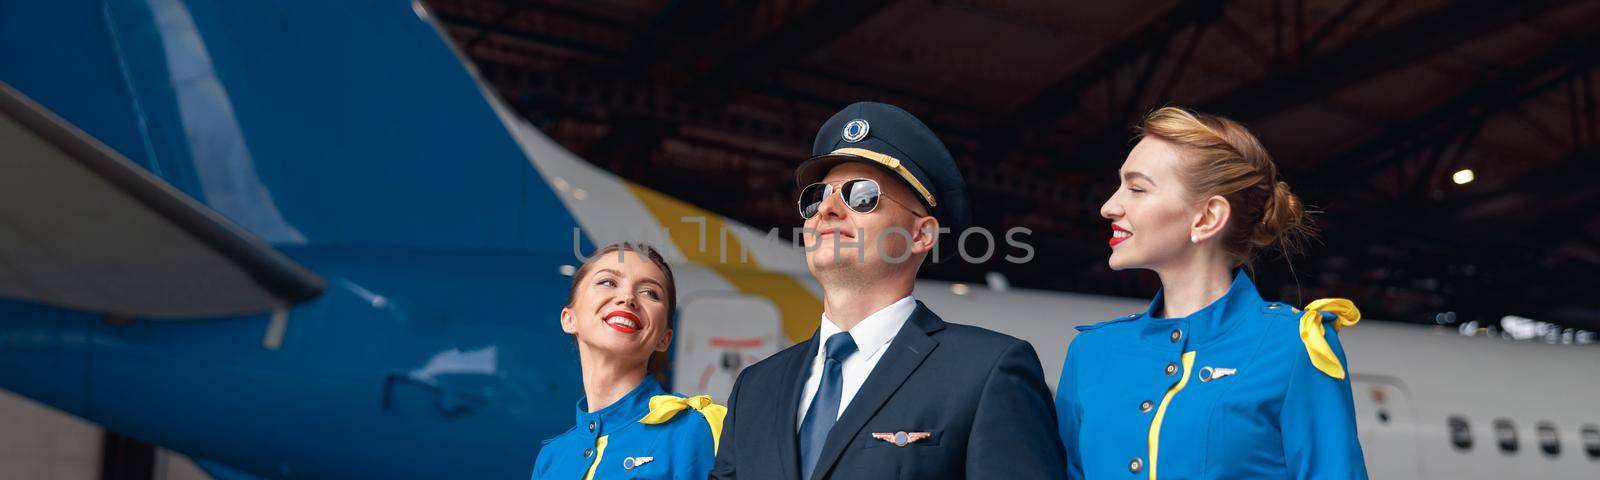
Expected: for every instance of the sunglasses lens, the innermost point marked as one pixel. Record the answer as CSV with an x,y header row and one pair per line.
x,y
811,198
861,195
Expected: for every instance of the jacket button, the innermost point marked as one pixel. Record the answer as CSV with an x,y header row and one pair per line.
x,y
1172,369
1136,465
588,452
1145,406
591,424
1177,335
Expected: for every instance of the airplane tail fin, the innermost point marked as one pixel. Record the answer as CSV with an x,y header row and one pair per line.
x,y
356,126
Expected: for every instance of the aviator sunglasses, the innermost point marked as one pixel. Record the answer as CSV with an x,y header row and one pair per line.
x,y
860,194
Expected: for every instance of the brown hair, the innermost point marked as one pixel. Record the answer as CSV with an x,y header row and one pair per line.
x,y
658,360
1225,159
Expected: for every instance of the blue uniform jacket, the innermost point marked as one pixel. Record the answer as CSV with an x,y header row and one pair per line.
x,y
645,434
1231,391
980,397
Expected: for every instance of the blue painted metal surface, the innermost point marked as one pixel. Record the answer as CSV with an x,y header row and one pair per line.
x,y
353,138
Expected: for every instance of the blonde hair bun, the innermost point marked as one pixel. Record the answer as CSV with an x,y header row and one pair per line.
x,y
1223,158
1284,224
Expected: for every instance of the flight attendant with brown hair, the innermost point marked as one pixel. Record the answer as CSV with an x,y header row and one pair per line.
x,y
620,311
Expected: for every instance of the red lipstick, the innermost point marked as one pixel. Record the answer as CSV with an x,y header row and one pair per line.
x,y
625,322
1116,239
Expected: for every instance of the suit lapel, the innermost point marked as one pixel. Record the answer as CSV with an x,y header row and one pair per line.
x,y
799,368
909,348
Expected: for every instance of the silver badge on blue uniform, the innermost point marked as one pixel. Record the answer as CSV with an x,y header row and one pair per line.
x,y
630,462
1208,373
855,130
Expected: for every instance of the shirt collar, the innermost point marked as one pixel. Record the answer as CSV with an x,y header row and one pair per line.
x,y
1211,322
876,330
628,409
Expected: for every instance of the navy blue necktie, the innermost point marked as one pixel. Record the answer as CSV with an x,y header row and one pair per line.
x,y
824,409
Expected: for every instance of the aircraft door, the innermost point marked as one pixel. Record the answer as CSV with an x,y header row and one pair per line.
x,y
1386,424
717,336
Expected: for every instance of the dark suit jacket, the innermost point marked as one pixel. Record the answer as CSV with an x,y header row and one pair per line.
x,y
981,395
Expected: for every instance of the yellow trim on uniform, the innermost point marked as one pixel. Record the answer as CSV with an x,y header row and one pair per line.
x,y
799,308
892,164
1161,412
664,407
1312,333
599,451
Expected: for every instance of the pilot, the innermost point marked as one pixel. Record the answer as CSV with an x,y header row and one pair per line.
x,y
886,388
1211,382
620,310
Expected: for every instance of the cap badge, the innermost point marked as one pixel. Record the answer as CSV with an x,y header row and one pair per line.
x,y
855,130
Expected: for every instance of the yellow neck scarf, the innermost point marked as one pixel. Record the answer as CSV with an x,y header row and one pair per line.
x,y
1312,332
664,407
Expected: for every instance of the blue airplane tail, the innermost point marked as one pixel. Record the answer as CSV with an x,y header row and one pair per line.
x,y
352,138
342,123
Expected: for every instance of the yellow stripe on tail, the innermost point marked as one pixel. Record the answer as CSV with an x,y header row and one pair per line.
x,y
801,310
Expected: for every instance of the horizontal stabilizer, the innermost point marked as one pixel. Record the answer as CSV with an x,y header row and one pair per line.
x,y
83,227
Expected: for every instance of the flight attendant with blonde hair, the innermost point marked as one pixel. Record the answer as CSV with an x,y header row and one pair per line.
x,y
1211,382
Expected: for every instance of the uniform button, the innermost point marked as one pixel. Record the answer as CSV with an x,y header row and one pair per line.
x,y
1136,465
1172,369
591,425
1145,406
1177,335
588,452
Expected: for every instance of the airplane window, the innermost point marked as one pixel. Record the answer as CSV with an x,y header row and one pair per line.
x,y
1549,442
1591,440
1506,434
1460,432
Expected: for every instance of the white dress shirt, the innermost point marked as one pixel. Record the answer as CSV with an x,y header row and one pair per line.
x,y
872,337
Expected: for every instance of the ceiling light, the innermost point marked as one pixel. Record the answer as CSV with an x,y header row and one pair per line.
x,y
1463,176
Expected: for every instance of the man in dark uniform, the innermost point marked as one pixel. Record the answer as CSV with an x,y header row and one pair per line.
x,y
887,389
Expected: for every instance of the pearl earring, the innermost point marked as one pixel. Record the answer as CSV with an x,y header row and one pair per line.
x,y
1194,239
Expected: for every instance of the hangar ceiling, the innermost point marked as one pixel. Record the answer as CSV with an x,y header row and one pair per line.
x,y
1368,107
